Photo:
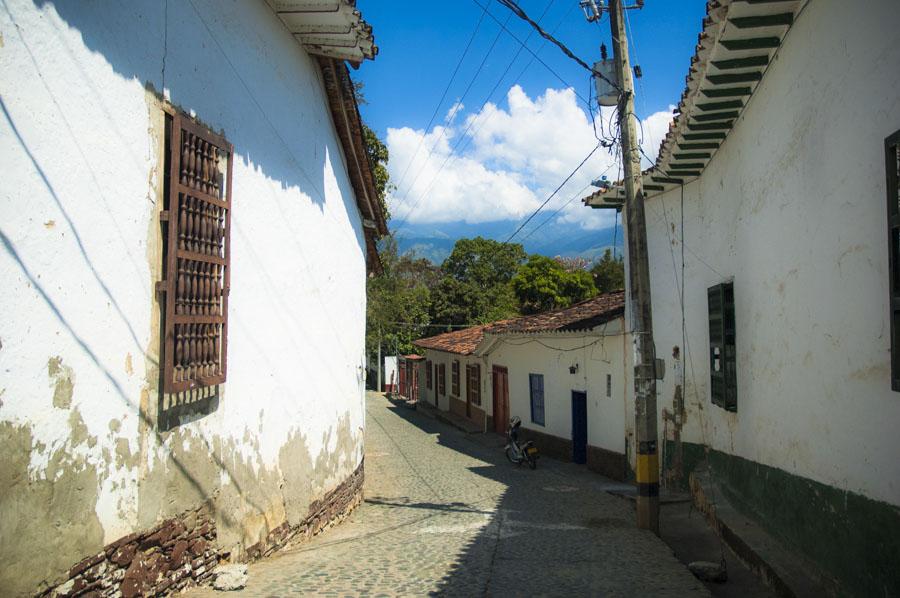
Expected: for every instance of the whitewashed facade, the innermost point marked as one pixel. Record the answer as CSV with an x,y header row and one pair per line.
x,y
791,210
85,88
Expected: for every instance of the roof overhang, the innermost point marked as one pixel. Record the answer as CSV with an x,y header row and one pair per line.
x,y
329,28
739,40
348,123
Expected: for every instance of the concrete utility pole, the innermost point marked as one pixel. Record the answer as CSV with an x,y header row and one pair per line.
x,y
639,281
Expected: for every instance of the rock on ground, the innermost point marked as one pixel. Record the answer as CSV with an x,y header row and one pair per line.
x,y
707,571
230,577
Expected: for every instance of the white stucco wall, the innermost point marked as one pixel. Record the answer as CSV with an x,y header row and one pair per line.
x,y
597,353
792,207
80,144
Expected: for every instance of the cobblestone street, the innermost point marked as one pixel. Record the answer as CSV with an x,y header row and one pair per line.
x,y
445,513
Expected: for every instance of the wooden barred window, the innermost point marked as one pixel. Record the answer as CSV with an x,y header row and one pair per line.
x,y
892,166
428,381
473,383
196,272
442,379
454,378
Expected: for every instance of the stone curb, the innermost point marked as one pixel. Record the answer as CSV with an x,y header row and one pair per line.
x,y
788,575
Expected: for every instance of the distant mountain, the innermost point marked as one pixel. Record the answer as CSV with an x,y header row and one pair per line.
x,y
435,241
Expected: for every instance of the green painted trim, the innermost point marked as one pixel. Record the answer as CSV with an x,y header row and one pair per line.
x,y
727,92
671,181
710,126
702,136
721,105
690,173
717,116
753,43
686,166
700,156
734,78
654,188
854,538
785,18
697,146
741,63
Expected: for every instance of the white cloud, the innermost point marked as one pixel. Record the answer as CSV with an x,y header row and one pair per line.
x,y
507,161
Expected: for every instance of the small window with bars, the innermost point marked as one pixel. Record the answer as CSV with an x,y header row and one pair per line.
x,y
722,348
536,387
473,383
428,378
454,378
609,385
196,220
892,168
442,379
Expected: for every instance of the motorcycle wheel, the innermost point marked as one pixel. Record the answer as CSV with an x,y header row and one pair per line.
x,y
511,454
532,461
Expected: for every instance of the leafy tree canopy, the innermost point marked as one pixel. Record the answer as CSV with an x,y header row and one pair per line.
x,y
609,273
475,286
543,284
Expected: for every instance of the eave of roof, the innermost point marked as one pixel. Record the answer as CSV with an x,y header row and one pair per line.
x,y
582,316
348,123
329,28
738,41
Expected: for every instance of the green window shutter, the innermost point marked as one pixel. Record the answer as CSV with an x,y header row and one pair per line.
x,y
722,346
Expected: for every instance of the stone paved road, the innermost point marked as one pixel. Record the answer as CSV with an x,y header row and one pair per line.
x,y
446,514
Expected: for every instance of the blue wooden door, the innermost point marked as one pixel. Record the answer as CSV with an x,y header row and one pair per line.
x,y
579,426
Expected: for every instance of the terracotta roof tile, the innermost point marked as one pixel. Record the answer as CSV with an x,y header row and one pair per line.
x,y
581,316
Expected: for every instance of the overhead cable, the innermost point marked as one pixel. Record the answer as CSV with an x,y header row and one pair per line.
x,y
444,130
530,51
517,10
540,207
444,95
464,138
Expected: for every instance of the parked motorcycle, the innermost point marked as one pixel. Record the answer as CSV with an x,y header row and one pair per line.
x,y
515,452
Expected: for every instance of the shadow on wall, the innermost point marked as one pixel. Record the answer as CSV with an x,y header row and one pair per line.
x,y
202,53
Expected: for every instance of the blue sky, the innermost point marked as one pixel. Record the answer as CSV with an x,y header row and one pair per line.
x,y
482,169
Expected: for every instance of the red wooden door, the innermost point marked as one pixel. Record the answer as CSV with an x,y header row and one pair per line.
x,y
500,379
402,384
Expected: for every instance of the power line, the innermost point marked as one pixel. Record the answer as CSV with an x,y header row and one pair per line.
x,y
463,138
562,207
444,130
444,95
517,10
530,51
535,213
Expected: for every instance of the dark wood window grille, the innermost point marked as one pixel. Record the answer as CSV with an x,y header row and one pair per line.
x,y
892,167
722,348
473,383
196,272
454,378
428,375
442,379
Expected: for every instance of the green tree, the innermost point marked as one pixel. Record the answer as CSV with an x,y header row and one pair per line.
x,y
399,300
475,284
609,273
379,156
543,284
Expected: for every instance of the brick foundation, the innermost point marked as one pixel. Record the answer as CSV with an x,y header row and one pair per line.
x,y
182,551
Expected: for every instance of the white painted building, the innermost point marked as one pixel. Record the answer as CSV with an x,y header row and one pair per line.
x,y
205,155
565,373
778,165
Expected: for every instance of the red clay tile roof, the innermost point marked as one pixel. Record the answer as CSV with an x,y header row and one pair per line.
x,y
459,341
581,316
